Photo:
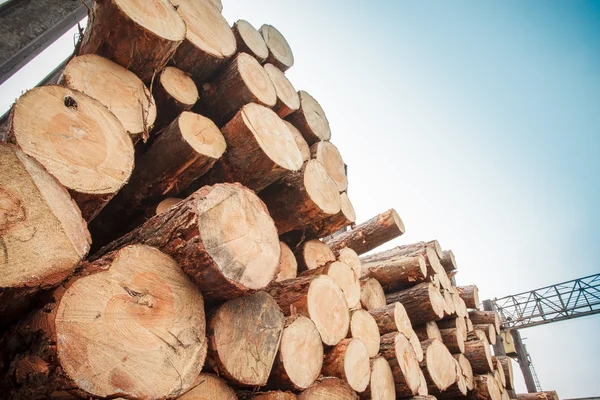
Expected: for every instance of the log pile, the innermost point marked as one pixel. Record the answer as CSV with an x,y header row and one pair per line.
x,y
218,264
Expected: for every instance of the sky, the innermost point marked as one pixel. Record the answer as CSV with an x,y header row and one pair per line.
x,y
478,121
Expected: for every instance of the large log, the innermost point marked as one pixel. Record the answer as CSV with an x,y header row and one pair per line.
x,y
134,326
209,41
302,197
288,99
319,298
401,356
345,278
371,294
328,155
548,395
486,388
222,237
300,357
423,303
485,317
465,369
448,261
364,327
506,363
184,151
243,339
280,53
470,295
453,339
300,142
310,119
210,387
479,355
288,266
140,36
249,40
438,366
349,361
242,81
260,150
314,254
396,273
329,389
370,234
42,234
117,88
381,384
174,93
78,140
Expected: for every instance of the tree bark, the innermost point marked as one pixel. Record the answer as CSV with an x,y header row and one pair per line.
x,y
479,355
328,155
486,388
392,318
280,53
328,389
288,100
288,267
485,317
303,197
300,357
457,322
310,119
243,339
202,233
209,41
466,370
249,40
448,261
381,384
488,330
349,361
423,303
117,88
438,366
134,305
242,81
405,367
313,254
499,373
396,273
344,277
174,93
548,395
364,327
140,41
319,298
454,340
371,294
508,371
430,330
260,151
210,387
89,152
42,234
470,295
370,234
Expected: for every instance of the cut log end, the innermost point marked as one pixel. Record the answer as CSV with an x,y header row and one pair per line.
x,y
321,188
371,294
409,366
381,384
257,80
288,100
310,119
328,309
288,266
328,155
439,364
300,142
249,40
201,134
179,86
210,387
349,360
314,254
157,17
364,327
328,389
280,53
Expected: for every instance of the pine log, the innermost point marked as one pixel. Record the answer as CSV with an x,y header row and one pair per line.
x,y
364,327
438,366
457,322
371,294
209,41
479,355
42,234
328,155
310,119
260,151
300,357
302,197
423,390
423,303
392,318
449,308
499,372
174,93
78,140
313,254
470,295
548,395
485,317
222,237
243,339
288,100
319,298
448,261
117,88
486,388
456,390
370,234
210,387
345,278
469,324
242,81
508,371
184,151
329,389
401,356
429,330
454,340
134,305
350,258
461,307
249,40
381,384
128,34
280,53
488,330
300,142
349,361
274,395
466,370
396,273
476,335
288,266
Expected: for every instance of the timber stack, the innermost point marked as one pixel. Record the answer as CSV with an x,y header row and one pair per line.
x,y
176,224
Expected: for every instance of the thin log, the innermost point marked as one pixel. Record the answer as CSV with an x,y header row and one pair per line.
x,y
280,53
448,261
288,266
174,93
364,327
488,330
349,361
288,100
423,303
381,384
327,389
392,318
350,258
310,119
457,322
396,273
210,387
506,363
343,275
371,294
314,254
470,295
485,317
499,372
249,40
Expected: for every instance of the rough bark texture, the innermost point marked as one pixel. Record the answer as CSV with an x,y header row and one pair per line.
x,y
329,389
370,234
225,272
210,387
114,34
470,295
349,361
549,395
479,355
448,261
371,294
310,119
174,93
249,40
486,388
396,273
423,303
453,339
254,324
485,317
430,330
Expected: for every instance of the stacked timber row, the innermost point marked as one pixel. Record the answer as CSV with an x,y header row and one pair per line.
x,y
172,226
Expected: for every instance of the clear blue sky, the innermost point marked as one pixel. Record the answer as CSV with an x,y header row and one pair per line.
x,y
478,121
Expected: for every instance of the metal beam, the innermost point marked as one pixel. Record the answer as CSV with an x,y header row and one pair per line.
x,y
29,26
525,363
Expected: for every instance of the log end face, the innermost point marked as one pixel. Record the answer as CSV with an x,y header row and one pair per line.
x,y
202,134
278,47
257,80
302,352
398,222
381,385
286,93
315,118
440,365
408,363
372,295
288,266
156,16
179,85
316,254
252,39
321,188
210,387
300,142
328,309
364,327
356,365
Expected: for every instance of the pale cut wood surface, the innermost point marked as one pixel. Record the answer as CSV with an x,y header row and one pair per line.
x,y
280,53
249,40
310,119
